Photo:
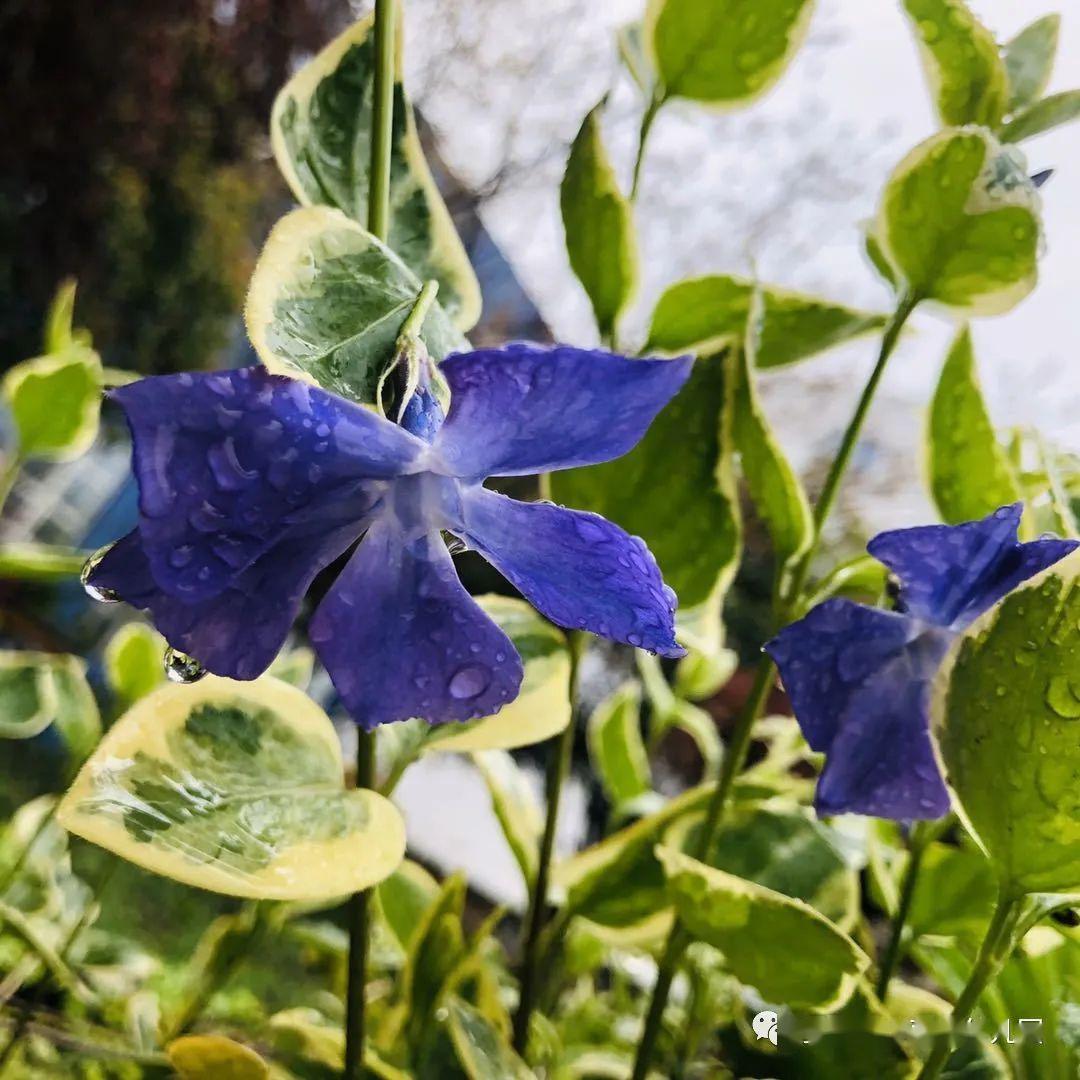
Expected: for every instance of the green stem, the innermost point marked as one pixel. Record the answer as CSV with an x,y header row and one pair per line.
x,y
643,137
415,319
739,744
921,835
994,951
558,767
382,121
359,918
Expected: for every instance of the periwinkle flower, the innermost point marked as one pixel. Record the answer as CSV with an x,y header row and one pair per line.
x,y
251,483
859,677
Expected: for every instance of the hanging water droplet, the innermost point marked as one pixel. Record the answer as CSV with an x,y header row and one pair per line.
x,y
469,681
97,592
181,668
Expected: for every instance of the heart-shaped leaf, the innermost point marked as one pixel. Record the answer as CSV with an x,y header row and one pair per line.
x,y
328,300
723,52
238,788
1006,710
541,709
958,222
320,130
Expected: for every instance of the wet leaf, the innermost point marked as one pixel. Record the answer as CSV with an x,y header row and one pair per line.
x,y
1029,60
327,302
1006,708
1044,115
723,52
963,66
234,787
321,134
970,472
783,947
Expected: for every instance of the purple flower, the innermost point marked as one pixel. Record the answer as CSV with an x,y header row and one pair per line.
x,y
859,677
251,483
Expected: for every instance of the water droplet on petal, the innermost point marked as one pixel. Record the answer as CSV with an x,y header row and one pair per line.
x,y
181,668
96,592
469,681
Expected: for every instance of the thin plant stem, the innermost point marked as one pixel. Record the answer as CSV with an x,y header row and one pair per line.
x,y
382,121
643,137
359,919
739,744
994,951
558,767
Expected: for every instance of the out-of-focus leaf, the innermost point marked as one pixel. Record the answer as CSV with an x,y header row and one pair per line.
x,y
1006,705
781,946
632,52
878,259
483,1052
404,897
699,675
235,787
599,224
777,492
214,1057
1029,60
675,489
723,52
327,303
59,332
542,707
40,562
55,401
963,66
970,472
702,315
134,662
320,130
1044,115
294,666
515,806
862,577
958,221
616,750
954,894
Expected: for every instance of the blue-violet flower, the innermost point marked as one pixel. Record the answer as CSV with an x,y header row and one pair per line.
x,y
251,483
859,677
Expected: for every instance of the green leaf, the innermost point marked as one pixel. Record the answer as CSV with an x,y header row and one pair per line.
x,y
599,224
631,44
542,707
482,1050
703,314
775,489
320,130
40,562
214,1057
783,947
294,667
328,300
237,788
954,894
699,675
134,662
58,320
404,897
958,221
963,66
970,472
1044,115
862,578
701,727
723,52
675,489
616,750
1006,708
515,806
1029,60
55,401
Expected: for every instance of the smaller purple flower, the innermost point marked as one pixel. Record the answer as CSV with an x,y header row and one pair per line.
x,y
859,677
251,483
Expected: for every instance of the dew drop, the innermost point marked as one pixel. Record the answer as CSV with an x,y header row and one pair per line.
x,y
97,592
181,668
469,681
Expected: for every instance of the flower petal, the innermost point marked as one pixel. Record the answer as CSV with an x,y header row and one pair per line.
x,y
239,632
229,462
951,574
526,408
576,568
858,681
402,638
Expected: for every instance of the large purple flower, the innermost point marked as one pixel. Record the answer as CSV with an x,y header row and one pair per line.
x,y
859,677
251,483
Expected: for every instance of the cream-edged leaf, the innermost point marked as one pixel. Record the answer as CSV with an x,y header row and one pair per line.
x,y
515,805
616,749
1029,60
236,787
1044,115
